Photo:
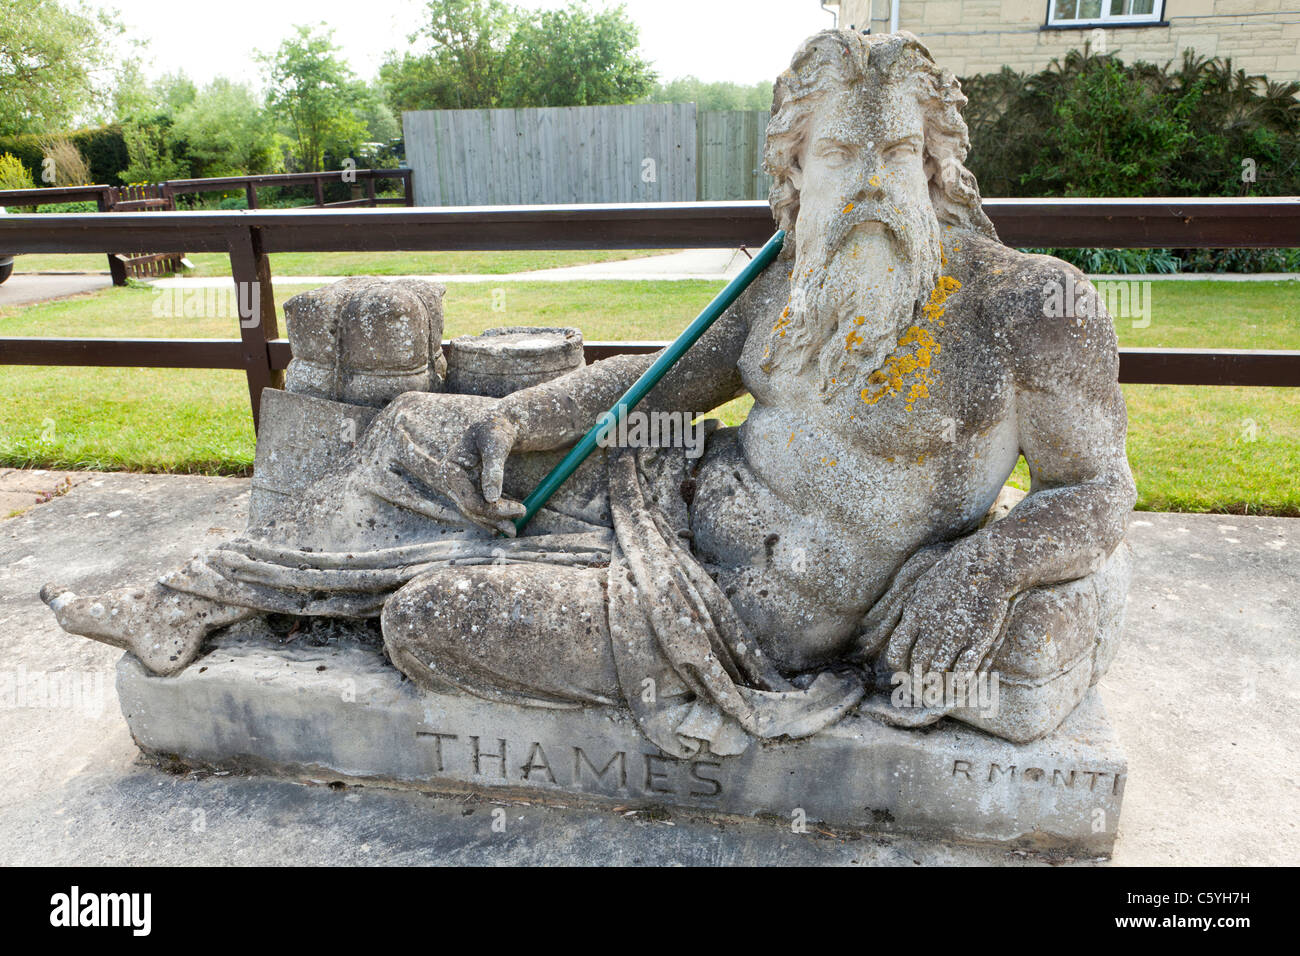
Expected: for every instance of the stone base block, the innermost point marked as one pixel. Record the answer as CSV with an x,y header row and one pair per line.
x,y
335,709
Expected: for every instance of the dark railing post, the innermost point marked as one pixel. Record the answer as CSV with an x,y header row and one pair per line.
x,y
116,267
320,191
410,188
370,188
258,324
250,190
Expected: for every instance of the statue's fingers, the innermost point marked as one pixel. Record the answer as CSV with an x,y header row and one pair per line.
x,y
424,467
944,655
506,508
980,653
971,658
506,528
494,449
928,649
898,652
461,489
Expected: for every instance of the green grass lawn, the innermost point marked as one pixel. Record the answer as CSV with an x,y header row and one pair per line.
x,y
1192,448
363,263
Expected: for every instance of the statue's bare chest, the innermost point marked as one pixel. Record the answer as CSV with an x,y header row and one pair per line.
x,y
937,391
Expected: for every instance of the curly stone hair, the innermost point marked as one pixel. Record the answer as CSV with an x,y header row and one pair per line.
x,y
849,55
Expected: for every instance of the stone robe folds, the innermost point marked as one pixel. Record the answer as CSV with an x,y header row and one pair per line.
x,y
688,671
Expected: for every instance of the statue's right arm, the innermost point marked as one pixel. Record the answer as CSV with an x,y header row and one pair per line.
x,y
557,413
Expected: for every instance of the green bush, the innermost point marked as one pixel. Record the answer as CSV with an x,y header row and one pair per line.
x,y
1118,261
67,207
1240,260
105,150
1092,126
26,150
103,147
13,174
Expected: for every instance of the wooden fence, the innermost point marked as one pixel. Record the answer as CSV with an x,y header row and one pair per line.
x,y
590,154
145,197
249,237
729,162
161,196
645,152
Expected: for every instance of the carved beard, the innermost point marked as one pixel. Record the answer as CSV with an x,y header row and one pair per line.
x,y
848,308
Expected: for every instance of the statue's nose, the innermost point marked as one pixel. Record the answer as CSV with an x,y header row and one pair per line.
x,y
871,188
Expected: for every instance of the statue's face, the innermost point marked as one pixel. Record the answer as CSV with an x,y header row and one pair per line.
x,y
862,163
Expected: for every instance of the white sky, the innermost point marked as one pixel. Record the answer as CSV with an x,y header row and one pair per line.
x,y
740,40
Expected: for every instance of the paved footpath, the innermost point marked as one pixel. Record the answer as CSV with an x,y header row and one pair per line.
x,y
28,288
1203,695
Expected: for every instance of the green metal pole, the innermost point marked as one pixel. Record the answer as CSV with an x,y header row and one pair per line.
x,y
648,380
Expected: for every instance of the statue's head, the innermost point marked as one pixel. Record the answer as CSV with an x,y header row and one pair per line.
x,y
869,118
865,146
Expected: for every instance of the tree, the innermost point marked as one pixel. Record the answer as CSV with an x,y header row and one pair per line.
x,y
462,68
314,93
714,96
576,57
485,53
226,132
372,109
54,60
151,150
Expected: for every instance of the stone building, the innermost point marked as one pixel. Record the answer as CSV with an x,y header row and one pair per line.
x,y
980,36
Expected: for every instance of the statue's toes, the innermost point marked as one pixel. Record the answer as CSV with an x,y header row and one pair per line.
x,y
55,596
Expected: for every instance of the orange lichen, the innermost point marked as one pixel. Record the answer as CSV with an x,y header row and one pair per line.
x,y
908,369
933,310
847,209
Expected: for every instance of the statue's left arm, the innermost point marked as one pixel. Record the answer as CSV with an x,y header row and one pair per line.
x,y
1071,423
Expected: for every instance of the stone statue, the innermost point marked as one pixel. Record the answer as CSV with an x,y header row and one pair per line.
x,y
900,359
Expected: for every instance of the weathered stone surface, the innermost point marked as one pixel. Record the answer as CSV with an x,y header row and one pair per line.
x,y
338,710
501,361
365,340
300,438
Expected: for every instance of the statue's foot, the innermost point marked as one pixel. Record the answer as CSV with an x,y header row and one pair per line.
x,y
164,628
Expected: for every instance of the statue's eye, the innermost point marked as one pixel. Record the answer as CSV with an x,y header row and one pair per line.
x,y
835,155
900,151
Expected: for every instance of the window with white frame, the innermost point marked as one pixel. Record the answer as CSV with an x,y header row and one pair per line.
x,y
1069,13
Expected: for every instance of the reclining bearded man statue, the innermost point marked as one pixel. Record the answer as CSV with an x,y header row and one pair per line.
x,y
900,360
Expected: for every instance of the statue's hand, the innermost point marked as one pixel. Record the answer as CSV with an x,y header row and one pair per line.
x,y
472,472
481,453
954,620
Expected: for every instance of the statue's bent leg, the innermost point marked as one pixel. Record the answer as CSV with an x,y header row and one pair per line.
x,y
531,634
163,627
1058,641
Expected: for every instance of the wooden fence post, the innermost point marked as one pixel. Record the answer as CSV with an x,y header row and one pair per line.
x,y
252,274
116,267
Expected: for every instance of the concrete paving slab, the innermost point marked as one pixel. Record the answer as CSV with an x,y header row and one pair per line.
x,y
23,488
1202,695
